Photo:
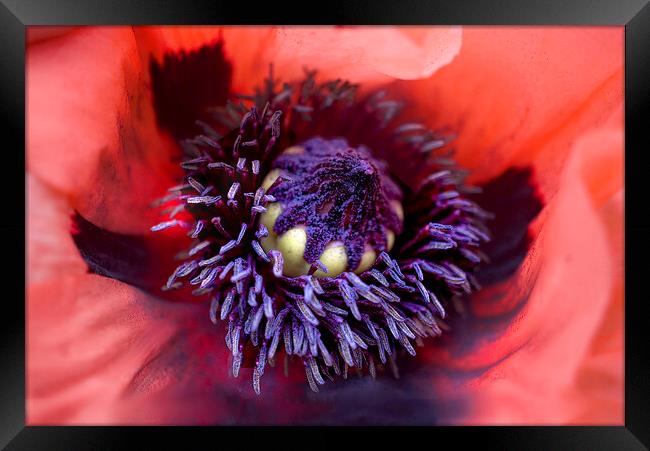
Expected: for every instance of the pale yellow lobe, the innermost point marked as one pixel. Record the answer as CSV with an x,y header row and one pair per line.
x,y
292,245
269,242
270,178
268,218
367,260
294,150
335,260
398,209
390,239
390,235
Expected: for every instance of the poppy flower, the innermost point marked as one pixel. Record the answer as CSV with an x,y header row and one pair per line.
x,y
322,218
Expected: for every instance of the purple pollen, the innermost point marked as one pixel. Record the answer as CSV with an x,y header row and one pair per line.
x,y
339,189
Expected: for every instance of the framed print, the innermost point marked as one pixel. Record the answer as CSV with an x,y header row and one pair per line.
x,y
391,215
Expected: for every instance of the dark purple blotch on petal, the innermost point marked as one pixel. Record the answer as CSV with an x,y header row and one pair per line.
x,y
131,259
186,84
115,255
515,201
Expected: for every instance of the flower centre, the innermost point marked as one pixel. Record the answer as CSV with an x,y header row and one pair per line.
x,y
336,208
273,205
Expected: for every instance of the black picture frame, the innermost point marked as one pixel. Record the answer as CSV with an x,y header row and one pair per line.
x,y
15,15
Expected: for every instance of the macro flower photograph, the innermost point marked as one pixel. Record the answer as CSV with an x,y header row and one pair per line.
x,y
324,225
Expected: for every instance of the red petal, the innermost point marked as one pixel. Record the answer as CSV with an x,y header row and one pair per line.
x,y
521,95
365,54
90,128
361,54
51,252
